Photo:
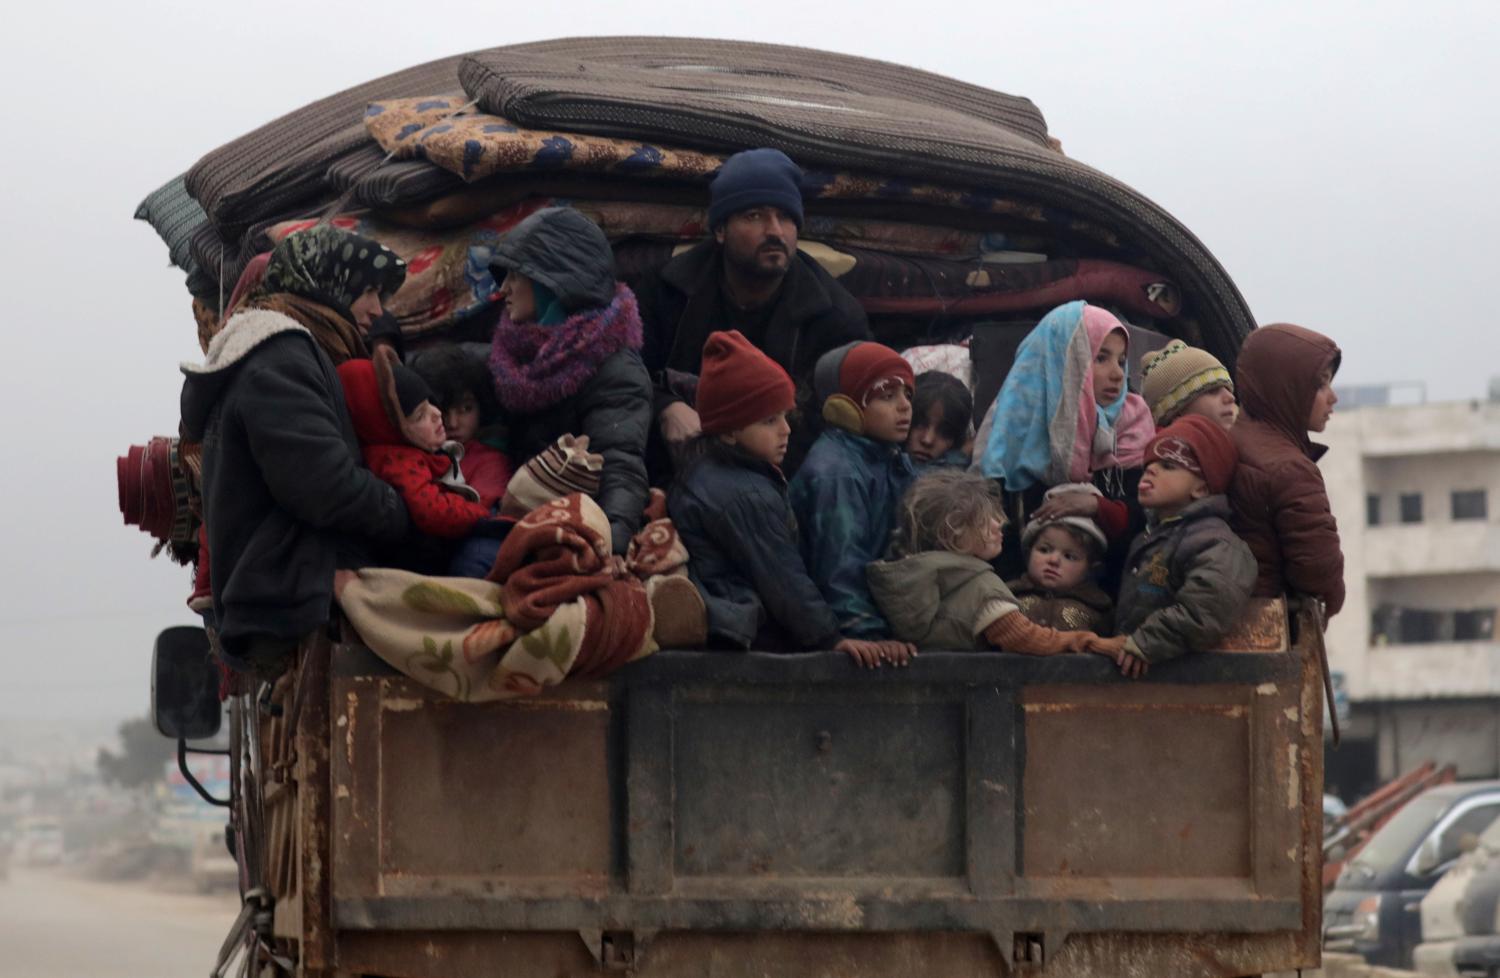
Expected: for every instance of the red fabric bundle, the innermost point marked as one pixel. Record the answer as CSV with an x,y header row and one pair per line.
x,y
561,552
153,493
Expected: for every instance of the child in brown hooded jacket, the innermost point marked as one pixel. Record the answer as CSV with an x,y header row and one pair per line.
x,y
1284,380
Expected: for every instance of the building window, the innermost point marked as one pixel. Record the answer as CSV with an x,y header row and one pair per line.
x,y
1477,625
1411,507
1419,625
1372,510
1396,625
1470,504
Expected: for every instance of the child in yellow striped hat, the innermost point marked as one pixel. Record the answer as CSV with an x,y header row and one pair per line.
x,y
1179,380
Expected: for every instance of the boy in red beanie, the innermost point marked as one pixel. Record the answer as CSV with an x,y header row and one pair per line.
x,y
847,494
730,510
1187,576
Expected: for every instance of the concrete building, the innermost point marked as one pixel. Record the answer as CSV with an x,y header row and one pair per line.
x,y
1416,491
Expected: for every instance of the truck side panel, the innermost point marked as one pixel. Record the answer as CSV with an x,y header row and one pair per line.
x,y
756,814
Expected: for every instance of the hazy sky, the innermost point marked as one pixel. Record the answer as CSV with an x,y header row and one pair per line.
x,y
1338,158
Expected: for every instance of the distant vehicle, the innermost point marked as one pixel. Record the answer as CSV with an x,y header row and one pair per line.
x,y
1375,907
39,842
211,865
1462,903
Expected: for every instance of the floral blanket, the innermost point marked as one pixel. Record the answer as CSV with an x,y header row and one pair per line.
x,y
558,604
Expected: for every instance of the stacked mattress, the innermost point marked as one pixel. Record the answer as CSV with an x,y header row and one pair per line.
x,y
932,200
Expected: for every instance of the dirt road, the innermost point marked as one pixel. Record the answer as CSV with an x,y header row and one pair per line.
x,y
52,926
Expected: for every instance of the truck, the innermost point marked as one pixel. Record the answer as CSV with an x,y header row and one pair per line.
x,y
972,814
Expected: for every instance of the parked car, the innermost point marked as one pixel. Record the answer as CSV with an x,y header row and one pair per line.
x,y
1375,906
1461,905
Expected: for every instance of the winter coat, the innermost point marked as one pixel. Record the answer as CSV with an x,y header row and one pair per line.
x,y
487,469
1187,581
1280,504
731,513
846,498
583,376
613,407
436,509
940,600
1083,608
285,498
683,301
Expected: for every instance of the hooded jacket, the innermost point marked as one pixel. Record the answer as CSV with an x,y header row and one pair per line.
x,y
285,499
940,600
683,302
564,251
732,514
1187,581
1279,501
602,390
435,509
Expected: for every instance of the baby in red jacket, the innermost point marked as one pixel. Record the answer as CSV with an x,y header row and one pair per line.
x,y
401,433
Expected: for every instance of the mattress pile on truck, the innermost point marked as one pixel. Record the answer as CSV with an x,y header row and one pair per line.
x,y
942,206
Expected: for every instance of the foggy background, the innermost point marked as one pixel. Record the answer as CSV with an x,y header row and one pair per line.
x,y
1338,158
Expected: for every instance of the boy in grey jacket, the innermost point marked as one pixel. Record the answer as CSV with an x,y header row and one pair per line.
x,y
1187,576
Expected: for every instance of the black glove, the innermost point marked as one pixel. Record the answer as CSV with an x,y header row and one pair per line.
x,y
383,329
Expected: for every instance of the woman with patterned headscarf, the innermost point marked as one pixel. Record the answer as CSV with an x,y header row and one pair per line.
x,y
286,501
333,282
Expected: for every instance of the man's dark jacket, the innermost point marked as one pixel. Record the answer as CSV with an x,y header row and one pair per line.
x,y
682,303
285,498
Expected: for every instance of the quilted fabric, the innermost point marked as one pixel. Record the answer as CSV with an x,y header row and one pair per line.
x,y
477,146
173,214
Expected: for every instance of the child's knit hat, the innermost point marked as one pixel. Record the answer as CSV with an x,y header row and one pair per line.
x,y
1198,445
1084,524
739,384
564,467
1177,373
846,376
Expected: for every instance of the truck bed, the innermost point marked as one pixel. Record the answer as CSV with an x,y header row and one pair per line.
x,y
792,815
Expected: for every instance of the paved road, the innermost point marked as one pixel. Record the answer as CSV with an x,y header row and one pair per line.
x,y
52,926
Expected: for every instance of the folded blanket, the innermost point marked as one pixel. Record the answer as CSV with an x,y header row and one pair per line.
x,y
558,605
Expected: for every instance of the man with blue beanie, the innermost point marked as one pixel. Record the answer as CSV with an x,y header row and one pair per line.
x,y
748,276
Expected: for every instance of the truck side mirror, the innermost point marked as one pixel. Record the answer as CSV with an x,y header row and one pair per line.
x,y
184,685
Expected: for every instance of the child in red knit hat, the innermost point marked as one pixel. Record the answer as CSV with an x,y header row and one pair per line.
x,y
731,512
1187,576
847,494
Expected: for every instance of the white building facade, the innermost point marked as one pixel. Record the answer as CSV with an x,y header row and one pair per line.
x,y
1416,491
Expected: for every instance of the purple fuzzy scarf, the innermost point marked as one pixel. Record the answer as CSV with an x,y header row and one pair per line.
x,y
537,366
